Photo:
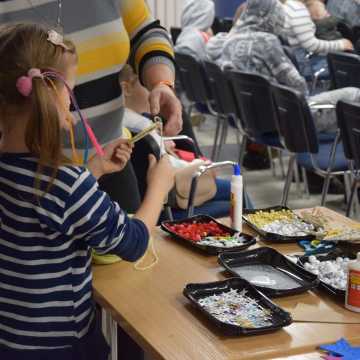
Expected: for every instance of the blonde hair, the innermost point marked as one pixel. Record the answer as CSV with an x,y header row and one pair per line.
x,y
23,47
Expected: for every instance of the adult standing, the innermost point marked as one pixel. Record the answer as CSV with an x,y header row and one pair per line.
x,y
108,34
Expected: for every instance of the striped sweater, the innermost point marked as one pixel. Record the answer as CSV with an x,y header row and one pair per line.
x,y
302,30
45,252
107,33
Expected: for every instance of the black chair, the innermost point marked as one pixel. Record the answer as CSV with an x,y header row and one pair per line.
x,y
346,31
298,135
175,32
193,80
223,102
348,116
255,108
344,69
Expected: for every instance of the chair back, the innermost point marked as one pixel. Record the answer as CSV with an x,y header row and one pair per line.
x,y
192,78
254,103
344,69
220,88
346,31
295,122
348,117
175,32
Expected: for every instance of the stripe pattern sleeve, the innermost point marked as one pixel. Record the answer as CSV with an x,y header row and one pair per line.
x,y
150,42
92,216
303,30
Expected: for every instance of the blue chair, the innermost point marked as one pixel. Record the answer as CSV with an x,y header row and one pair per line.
x,y
348,116
298,135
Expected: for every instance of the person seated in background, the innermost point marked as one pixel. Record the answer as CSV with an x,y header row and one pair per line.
x,y
137,104
254,46
302,36
216,43
196,21
348,11
326,24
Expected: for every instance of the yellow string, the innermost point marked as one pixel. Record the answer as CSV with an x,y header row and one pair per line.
x,y
151,247
76,158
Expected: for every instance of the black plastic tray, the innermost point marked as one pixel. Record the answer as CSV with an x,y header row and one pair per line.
x,y
303,279
249,240
272,237
330,256
195,292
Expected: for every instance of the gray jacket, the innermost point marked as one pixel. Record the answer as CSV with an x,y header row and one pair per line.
x,y
253,45
197,17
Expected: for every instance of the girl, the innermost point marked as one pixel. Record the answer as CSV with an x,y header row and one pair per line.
x,y
52,213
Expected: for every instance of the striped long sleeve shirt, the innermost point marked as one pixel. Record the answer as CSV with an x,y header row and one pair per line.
x,y
107,34
301,30
45,252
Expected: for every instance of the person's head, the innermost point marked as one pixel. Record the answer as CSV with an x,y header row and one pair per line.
x,y
198,14
135,95
317,9
263,16
30,100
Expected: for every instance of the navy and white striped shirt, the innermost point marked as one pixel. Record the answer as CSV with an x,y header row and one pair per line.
x,y
45,251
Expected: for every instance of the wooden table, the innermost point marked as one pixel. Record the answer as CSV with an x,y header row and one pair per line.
x,y
150,307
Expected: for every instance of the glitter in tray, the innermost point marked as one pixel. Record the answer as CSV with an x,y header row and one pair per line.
x,y
283,222
223,241
235,308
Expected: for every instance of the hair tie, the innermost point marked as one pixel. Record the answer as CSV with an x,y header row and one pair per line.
x,y
24,83
57,39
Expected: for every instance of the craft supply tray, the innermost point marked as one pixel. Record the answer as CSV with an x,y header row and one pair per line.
x,y
269,236
279,317
330,256
269,271
213,250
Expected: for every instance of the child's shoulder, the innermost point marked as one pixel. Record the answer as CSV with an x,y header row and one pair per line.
x,y
72,175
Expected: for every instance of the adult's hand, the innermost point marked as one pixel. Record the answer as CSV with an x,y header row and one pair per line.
x,y
163,101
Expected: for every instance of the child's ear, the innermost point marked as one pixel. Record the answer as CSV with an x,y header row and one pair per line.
x,y
126,88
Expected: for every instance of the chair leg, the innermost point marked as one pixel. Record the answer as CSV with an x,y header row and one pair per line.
x,y
281,162
243,149
216,138
325,189
354,187
306,183
297,179
272,161
288,180
223,137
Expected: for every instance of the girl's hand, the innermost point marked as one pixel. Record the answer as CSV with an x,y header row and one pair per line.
x,y
117,154
161,174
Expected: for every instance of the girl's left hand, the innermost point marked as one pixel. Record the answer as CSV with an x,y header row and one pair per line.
x,y
116,156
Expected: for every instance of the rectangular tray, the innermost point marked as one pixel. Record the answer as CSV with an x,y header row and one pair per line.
x,y
249,240
298,279
330,256
195,292
272,237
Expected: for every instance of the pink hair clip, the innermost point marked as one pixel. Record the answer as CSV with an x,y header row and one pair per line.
x,y
24,83
57,39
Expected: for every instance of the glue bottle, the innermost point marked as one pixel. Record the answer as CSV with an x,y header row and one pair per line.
x,y
236,202
352,301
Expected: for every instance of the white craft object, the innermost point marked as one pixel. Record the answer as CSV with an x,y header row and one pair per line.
x,y
332,272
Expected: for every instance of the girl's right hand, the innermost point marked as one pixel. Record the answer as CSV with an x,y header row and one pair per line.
x,y
160,173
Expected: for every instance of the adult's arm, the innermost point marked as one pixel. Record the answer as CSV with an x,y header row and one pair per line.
x,y
152,57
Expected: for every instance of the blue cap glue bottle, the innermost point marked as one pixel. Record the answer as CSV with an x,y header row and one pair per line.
x,y
236,201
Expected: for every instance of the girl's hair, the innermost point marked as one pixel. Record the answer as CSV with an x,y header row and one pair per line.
x,y
24,47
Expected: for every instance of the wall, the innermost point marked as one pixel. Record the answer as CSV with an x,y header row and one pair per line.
x,y
168,11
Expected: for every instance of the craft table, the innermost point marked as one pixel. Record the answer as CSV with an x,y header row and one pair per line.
x,y
150,307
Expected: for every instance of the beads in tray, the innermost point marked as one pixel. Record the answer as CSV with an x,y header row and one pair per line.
x,y
281,222
331,272
236,308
